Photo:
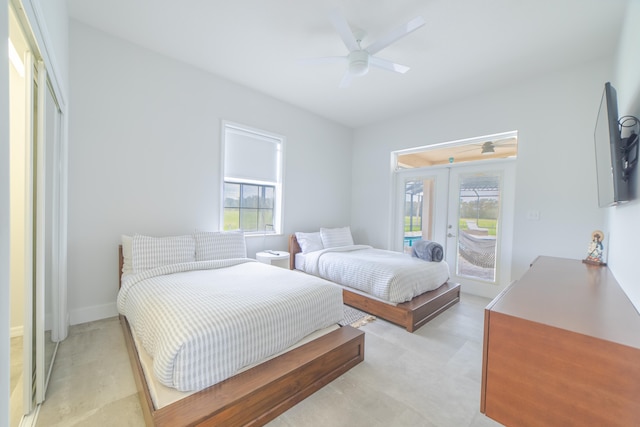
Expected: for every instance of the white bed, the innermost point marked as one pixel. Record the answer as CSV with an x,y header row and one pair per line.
x,y
196,323
202,322
390,276
398,287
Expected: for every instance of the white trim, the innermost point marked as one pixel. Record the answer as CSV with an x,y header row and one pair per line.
x,y
95,312
5,304
31,419
41,230
16,331
38,27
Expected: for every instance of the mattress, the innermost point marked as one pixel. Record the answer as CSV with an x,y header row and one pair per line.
x,y
202,322
386,275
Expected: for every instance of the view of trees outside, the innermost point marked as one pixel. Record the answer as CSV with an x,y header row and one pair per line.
x,y
248,207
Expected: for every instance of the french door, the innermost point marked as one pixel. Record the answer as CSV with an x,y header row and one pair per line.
x,y
480,226
422,207
468,210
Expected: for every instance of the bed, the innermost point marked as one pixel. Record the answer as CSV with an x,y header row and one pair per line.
x,y
177,295
410,308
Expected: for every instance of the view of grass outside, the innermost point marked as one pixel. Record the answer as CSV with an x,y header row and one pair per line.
x,y
249,220
489,224
409,226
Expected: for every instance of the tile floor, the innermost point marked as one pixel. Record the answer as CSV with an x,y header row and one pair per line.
x,y
428,378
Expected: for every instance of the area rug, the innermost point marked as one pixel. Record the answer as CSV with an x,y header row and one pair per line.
x,y
356,318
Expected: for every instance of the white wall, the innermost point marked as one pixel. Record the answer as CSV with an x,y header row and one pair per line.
x,y
623,220
145,158
554,116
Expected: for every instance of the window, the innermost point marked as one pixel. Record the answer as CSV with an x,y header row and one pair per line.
x,y
252,184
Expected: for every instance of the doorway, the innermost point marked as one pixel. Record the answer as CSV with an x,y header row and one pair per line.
x,y
467,207
480,226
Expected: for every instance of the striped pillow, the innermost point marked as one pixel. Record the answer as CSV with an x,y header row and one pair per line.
x,y
334,237
219,245
127,265
151,252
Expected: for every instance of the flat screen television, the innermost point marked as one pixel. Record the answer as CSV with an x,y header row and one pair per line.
x,y
613,165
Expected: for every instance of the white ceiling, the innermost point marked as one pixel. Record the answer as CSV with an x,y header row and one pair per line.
x,y
466,47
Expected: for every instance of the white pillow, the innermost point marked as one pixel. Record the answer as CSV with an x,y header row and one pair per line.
x,y
127,266
150,252
334,237
309,242
220,245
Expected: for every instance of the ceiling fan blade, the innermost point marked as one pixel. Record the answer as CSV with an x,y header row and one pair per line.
x,y
388,65
323,60
342,27
395,34
346,80
505,141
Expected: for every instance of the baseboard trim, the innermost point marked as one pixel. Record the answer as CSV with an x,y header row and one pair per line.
x,y
90,314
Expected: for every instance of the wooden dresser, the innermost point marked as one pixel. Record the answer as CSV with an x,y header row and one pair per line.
x,y
562,348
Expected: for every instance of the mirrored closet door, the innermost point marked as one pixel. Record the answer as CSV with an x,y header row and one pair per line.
x,y
37,221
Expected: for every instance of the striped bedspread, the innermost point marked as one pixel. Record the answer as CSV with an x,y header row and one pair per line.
x,y
203,321
388,275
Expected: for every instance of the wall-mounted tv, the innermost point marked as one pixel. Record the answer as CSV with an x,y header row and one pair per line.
x,y
615,156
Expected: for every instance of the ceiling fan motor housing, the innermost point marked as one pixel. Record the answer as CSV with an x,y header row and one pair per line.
x,y
358,62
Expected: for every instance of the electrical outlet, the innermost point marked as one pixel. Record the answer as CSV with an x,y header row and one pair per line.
x,y
533,215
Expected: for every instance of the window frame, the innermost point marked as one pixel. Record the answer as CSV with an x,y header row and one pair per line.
x,y
278,185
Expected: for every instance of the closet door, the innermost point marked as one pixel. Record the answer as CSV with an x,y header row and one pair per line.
x,y
48,233
29,334
38,212
46,238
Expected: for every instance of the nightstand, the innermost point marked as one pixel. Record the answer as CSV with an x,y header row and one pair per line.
x,y
277,258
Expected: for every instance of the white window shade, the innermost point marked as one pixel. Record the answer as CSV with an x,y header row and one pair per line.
x,y
251,156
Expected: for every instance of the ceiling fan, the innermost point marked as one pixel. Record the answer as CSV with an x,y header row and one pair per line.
x,y
489,147
360,59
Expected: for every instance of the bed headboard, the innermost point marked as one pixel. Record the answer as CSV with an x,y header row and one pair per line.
x,y
120,264
294,248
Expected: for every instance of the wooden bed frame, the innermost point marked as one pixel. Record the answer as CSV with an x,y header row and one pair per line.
x,y
411,314
258,395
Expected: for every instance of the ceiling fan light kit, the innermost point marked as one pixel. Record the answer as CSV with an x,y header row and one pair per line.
x,y
358,62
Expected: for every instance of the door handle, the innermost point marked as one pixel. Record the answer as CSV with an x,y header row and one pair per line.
x,y
451,235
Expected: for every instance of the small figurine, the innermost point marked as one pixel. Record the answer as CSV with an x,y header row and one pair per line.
x,y
596,249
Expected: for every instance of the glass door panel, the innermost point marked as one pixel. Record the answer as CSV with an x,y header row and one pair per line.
x,y
478,196
420,192
480,227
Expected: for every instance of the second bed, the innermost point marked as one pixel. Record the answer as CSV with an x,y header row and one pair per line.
x,y
396,287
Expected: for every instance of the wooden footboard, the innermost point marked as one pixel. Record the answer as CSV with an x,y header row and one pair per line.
x,y
258,395
410,315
